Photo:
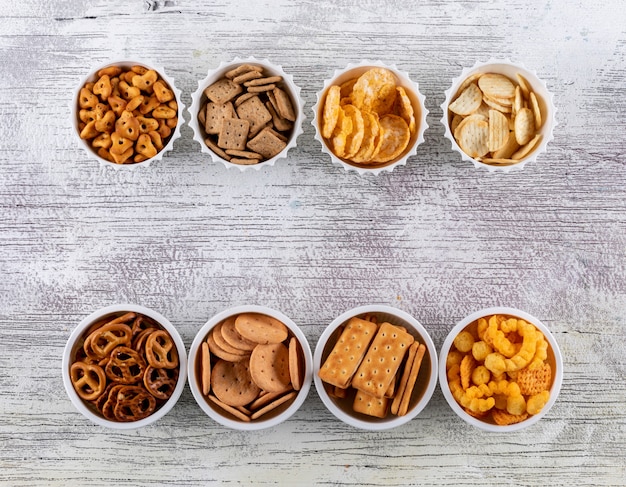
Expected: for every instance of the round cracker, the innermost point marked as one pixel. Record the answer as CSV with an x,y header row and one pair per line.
x,y
232,383
260,328
295,364
233,338
396,136
223,354
218,336
269,367
474,138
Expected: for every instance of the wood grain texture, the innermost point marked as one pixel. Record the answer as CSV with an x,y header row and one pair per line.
x,y
436,238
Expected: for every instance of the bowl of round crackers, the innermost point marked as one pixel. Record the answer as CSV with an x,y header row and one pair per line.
x,y
498,115
375,367
250,367
500,369
127,113
370,117
124,366
247,113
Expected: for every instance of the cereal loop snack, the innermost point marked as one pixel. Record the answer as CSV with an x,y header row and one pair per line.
x,y
115,372
498,369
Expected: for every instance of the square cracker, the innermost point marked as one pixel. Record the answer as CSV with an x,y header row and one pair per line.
x,y
254,111
382,360
372,406
346,355
215,115
266,143
222,90
234,134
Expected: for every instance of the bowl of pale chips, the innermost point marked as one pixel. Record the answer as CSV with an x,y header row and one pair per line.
x,y
498,115
127,113
124,366
375,367
250,368
500,369
370,117
247,113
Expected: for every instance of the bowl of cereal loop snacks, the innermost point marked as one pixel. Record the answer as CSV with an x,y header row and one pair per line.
x,y
375,367
498,115
124,366
247,113
250,367
127,113
500,369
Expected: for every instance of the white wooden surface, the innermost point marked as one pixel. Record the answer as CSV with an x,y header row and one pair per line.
x,y
436,238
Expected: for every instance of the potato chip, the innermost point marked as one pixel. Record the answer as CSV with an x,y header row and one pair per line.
x,y
375,91
525,150
341,132
524,126
496,85
331,111
474,137
396,136
346,88
498,130
355,137
404,108
371,132
468,101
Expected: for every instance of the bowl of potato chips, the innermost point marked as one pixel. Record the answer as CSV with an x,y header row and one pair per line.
x,y
500,369
370,117
127,113
375,367
498,115
247,113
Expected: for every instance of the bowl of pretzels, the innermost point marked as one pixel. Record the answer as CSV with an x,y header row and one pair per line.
x,y
124,366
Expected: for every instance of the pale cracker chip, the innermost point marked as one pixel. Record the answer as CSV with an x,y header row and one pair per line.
x,y
496,85
498,130
526,149
524,126
474,137
534,104
468,101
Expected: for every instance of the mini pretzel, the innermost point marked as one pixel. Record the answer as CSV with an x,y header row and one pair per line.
x,y
160,382
161,352
133,403
89,380
140,340
125,366
105,339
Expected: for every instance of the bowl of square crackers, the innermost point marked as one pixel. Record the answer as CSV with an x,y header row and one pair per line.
x,y
250,367
247,113
124,366
499,115
375,367
500,369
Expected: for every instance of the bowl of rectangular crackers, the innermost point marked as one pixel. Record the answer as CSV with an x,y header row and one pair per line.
x,y
375,367
247,113
250,367
500,369
498,115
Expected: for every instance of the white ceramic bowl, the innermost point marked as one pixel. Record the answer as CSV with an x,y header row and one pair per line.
x,y
427,378
352,71
127,64
74,342
272,418
554,358
198,98
544,97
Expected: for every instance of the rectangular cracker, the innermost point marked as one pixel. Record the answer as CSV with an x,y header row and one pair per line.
x,y
372,406
346,355
215,115
382,360
222,91
415,368
242,68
